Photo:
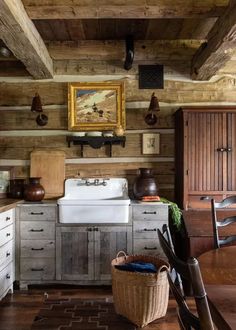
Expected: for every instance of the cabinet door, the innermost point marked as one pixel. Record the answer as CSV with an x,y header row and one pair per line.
x,y
205,139
75,253
231,154
108,242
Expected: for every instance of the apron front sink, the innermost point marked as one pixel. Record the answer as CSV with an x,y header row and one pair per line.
x,y
95,200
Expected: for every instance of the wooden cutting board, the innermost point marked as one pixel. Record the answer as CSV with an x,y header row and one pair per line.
x,y
50,166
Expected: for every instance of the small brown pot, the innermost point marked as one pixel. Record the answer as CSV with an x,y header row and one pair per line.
x,y
145,184
16,188
34,191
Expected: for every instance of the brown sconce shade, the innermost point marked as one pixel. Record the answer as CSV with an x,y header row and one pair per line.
x,y
151,116
36,104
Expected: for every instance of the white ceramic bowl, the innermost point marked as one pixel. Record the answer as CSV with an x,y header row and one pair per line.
x,y
78,134
94,133
107,134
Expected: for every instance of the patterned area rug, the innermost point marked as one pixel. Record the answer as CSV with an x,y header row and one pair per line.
x,y
73,314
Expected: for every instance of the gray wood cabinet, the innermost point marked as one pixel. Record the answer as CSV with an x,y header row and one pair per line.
x,y
36,243
84,253
146,219
7,260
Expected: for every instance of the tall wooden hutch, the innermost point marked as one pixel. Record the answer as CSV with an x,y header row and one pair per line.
x,y
205,153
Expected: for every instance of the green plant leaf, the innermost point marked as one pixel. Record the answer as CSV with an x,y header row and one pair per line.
x,y
175,212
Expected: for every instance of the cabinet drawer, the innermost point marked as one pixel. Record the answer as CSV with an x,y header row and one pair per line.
x,y
150,212
6,254
37,248
147,229
37,230
38,213
6,218
6,234
148,246
6,278
202,201
37,269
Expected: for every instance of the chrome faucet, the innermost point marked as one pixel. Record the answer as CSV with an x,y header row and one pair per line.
x,y
96,182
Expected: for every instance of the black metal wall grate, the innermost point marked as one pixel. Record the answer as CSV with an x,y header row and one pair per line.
x,y
151,76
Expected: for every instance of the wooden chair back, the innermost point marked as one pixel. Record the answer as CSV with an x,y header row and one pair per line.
x,y
191,272
174,274
216,224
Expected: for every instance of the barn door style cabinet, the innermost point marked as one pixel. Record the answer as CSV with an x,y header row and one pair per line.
x,y
205,168
205,155
84,253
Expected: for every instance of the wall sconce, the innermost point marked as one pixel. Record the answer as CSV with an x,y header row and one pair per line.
x,y
129,43
151,116
36,106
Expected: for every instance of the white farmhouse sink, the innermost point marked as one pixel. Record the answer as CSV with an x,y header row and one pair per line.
x,y
94,200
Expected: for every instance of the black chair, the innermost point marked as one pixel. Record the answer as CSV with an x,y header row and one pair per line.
x,y
222,223
191,272
174,274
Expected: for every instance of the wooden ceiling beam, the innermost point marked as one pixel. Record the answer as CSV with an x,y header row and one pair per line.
x,y
155,50
221,44
128,9
21,37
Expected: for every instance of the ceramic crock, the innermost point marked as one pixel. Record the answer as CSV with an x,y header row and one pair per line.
x,y
34,191
145,184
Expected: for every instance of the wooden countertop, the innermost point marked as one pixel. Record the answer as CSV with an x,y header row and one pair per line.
x,y
8,203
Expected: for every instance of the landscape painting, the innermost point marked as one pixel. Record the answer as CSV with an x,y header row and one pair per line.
x,y
96,106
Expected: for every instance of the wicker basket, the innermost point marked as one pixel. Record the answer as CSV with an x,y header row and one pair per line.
x,y
140,297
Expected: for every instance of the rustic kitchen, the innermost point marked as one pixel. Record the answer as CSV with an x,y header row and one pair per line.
x,y
116,119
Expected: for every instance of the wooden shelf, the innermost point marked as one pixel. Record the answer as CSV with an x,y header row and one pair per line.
x,y
96,142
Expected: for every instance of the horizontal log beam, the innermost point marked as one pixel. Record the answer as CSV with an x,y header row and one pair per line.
x,y
220,47
110,50
21,37
126,9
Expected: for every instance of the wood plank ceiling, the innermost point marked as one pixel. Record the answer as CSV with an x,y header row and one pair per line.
x,y
197,35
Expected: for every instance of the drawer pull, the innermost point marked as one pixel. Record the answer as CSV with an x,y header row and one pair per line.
x,y
8,218
8,254
146,212
8,234
37,269
36,213
145,229
205,198
35,249
95,229
8,276
36,230
89,229
149,248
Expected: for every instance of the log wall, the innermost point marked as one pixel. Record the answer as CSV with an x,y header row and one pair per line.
x,y
19,133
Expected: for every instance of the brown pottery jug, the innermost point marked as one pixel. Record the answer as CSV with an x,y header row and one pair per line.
x,y
34,191
16,188
145,184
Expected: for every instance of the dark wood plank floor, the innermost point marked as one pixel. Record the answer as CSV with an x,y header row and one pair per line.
x,y
18,310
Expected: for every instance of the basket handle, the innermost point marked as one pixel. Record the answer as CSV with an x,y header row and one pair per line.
x,y
121,253
162,268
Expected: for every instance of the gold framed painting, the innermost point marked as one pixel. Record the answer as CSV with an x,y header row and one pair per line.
x,y
96,106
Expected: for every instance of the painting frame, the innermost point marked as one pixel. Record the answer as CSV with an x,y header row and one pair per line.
x,y
85,106
151,143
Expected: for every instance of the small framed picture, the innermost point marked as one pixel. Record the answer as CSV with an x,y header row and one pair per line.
x,y
151,144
